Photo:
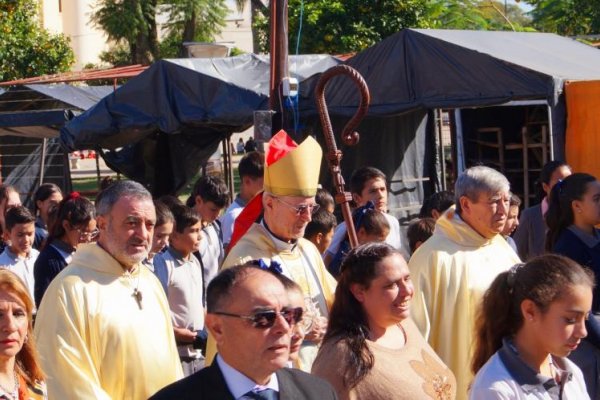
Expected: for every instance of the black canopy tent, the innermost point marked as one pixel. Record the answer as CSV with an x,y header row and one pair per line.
x,y
162,125
413,73
30,119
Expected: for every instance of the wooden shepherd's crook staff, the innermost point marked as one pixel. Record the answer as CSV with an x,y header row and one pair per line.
x,y
349,137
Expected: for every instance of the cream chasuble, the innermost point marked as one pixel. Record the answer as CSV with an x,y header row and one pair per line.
x,y
450,273
97,340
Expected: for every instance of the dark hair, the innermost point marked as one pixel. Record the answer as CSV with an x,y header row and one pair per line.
x,y
170,200
163,213
5,191
324,198
419,231
373,222
321,222
219,288
440,201
287,283
252,165
560,213
106,182
74,209
546,175
184,217
43,192
514,200
18,215
347,320
210,188
361,176
543,280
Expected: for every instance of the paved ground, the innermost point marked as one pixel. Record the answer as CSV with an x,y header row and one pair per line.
x,y
87,169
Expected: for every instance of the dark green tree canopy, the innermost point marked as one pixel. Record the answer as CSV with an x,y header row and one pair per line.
x,y
27,50
342,26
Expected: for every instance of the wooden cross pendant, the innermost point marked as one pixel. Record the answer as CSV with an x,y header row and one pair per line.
x,y
137,295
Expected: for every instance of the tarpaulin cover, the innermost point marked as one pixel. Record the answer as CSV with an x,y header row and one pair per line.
x,y
419,68
29,114
583,126
40,110
163,124
415,71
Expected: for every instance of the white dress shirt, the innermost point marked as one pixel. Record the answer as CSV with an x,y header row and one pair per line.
x,y
239,384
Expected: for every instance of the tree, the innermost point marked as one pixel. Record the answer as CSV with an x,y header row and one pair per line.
x,y
27,50
342,26
132,23
194,20
566,17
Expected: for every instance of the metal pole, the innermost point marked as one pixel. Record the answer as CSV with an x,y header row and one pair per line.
x,y
279,60
43,160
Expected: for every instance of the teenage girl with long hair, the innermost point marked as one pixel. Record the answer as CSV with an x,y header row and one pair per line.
x,y
530,319
573,212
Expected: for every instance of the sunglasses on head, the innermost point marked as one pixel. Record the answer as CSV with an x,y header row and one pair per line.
x,y
266,319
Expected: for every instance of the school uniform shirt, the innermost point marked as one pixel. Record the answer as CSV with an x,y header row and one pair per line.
x,y
184,293
211,251
22,267
228,219
507,376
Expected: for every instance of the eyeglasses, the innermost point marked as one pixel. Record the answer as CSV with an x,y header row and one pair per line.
x,y
302,208
266,319
88,235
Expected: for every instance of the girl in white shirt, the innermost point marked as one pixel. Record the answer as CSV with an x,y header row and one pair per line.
x,y
530,319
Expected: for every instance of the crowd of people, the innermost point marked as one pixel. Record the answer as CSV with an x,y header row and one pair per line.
x,y
131,297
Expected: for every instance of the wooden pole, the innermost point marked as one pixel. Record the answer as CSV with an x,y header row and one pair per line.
x,y
279,61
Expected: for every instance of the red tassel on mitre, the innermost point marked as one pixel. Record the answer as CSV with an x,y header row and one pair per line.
x,y
279,145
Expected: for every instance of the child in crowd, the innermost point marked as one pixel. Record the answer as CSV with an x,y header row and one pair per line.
x,y
572,217
179,271
296,300
251,172
325,200
320,229
209,197
531,318
162,230
512,220
74,224
9,197
437,204
367,184
19,256
531,234
371,226
46,197
418,232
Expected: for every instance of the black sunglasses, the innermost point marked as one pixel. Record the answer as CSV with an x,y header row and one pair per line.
x,y
266,319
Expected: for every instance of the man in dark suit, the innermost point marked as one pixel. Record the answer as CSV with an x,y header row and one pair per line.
x,y
249,316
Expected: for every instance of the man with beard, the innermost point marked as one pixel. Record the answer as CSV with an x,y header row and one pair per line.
x,y
103,328
455,266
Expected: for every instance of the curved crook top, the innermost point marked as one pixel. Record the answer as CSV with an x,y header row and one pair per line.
x,y
349,135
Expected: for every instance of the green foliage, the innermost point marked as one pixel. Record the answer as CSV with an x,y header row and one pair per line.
x,y
566,17
116,56
132,22
27,50
342,26
195,20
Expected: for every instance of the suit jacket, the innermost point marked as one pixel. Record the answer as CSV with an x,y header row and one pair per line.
x,y
530,235
209,384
